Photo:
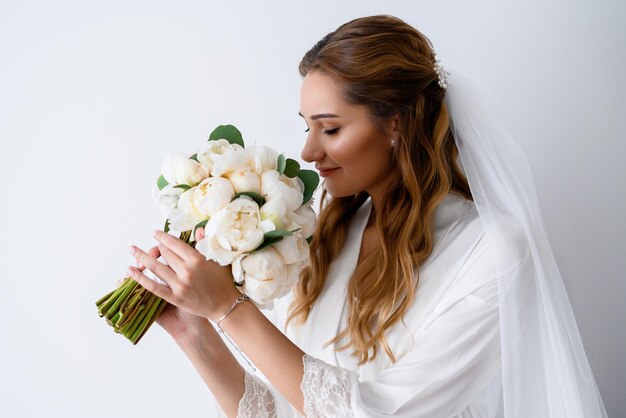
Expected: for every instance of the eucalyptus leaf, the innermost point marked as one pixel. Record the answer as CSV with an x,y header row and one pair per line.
x,y
182,186
166,228
266,243
292,168
227,132
311,180
281,164
194,157
309,239
254,196
277,233
161,182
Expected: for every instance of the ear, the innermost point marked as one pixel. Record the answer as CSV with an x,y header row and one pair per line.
x,y
394,125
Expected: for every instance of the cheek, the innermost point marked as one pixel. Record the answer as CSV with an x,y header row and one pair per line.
x,y
367,155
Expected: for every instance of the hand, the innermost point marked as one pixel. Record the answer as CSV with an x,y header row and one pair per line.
x,y
183,326
196,285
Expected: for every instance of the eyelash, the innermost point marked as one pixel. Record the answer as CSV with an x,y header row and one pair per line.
x,y
328,132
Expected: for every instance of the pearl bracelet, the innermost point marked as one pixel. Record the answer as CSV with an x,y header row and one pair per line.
x,y
241,299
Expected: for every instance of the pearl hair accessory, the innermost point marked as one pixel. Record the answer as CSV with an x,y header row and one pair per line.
x,y
441,72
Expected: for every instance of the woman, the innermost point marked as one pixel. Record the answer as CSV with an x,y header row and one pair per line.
x,y
423,297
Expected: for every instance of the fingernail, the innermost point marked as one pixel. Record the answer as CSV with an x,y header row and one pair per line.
x,y
129,272
132,249
156,233
139,264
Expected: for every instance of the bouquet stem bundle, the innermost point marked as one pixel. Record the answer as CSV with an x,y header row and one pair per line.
x,y
131,309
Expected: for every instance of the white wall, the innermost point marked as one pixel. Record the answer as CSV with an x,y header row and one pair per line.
x,y
94,94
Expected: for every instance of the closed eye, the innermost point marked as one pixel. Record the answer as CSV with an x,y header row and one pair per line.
x,y
331,131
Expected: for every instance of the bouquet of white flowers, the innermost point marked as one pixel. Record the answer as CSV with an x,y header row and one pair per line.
x,y
255,207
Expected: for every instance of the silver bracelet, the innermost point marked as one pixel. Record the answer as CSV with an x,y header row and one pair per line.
x,y
239,300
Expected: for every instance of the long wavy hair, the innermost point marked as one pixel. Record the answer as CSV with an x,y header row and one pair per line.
x,y
387,65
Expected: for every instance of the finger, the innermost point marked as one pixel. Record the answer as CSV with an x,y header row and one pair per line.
x,y
154,252
161,290
174,261
183,250
163,271
199,234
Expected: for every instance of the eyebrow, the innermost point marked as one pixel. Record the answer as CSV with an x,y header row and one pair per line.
x,y
321,116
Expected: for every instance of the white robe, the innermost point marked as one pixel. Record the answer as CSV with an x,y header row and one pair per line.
x,y
448,346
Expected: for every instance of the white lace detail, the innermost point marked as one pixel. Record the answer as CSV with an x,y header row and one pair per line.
x,y
257,400
326,389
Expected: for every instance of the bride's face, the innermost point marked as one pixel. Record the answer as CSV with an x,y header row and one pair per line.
x,y
349,150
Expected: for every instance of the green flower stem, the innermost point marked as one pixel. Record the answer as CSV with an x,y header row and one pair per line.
x,y
103,309
128,307
162,304
139,318
105,298
128,288
147,319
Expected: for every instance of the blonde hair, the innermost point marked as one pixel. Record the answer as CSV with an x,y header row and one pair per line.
x,y
387,65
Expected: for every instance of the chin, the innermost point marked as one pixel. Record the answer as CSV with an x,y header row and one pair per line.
x,y
338,191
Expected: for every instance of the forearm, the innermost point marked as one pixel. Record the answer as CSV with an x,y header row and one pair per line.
x,y
279,359
218,368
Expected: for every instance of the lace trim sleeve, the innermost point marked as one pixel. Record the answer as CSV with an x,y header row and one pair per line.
x,y
326,389
257,400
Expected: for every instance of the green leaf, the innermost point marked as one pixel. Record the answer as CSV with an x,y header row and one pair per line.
x,y
309,239
182,186
281,163
277,233
292,168
311,180
227,132
266,243
161,182
166,228
254,196
194,157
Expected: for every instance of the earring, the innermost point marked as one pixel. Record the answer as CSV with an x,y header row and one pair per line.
x,y
393,142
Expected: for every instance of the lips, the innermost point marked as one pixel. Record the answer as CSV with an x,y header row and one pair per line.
x,y
325,172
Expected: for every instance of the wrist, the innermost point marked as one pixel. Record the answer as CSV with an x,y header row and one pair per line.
x,y
195,337
224,305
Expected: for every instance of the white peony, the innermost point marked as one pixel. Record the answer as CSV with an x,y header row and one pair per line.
x,y
305,218
293,248
234,230
274,211
185,215
180,169
220,157
201,202
262,158
293,275
278,186
212,195
244,180
264,274
166,198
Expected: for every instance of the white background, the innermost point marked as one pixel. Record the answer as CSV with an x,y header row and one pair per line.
x,y
94,94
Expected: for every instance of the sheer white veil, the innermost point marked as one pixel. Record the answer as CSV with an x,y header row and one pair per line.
x,y
545,372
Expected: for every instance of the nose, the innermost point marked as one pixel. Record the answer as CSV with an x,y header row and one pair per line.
x,y
312,151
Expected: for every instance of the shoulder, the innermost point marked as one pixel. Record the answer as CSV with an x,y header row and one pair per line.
x,y
500,238
474,252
